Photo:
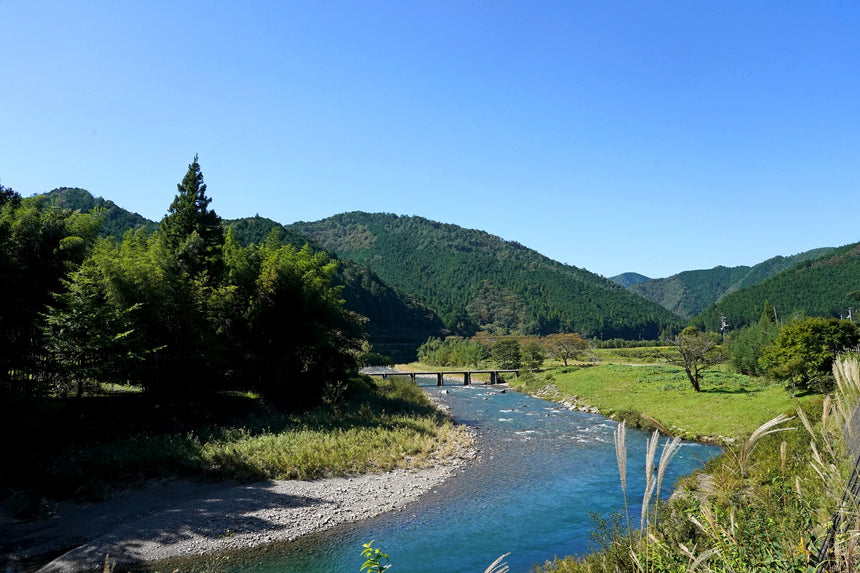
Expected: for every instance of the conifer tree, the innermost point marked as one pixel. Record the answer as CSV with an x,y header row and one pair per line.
x,y
191,229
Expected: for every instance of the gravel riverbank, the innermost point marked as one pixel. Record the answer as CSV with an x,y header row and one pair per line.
x,y
178,519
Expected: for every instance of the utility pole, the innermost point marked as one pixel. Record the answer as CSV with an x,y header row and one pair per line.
x,y
723,326
850,314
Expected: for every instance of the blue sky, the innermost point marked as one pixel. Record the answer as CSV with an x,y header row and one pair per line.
x,y
653,137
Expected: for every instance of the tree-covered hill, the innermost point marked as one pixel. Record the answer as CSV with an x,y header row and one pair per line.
x,y
817,287
629,279
476,280
397,324
690,292
116,219
256,229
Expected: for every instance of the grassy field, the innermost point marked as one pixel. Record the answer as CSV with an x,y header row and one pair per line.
x,y
632,381
729,405
84,448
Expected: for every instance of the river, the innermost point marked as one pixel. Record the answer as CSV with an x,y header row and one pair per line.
x,y
542,470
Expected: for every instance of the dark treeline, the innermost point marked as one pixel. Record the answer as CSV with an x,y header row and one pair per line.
x,y
183,309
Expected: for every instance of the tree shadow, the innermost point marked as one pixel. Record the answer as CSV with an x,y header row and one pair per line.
x,y
248,513
724,390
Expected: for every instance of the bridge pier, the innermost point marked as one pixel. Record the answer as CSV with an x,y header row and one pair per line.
x,y
467,378
494,377
440,381
412,376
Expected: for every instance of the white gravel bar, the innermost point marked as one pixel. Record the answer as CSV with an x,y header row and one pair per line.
x,y
180,519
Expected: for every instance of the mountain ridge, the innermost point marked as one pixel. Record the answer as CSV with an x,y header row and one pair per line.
x,y
689,293
469,298
475,280
823,286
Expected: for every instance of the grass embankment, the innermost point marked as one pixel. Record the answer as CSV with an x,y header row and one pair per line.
x,y
84,448
763,505
729,405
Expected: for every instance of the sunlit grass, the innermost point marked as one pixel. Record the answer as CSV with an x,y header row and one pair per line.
x,y
729,405
386,425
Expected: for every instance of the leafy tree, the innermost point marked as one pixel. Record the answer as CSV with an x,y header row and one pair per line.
x,y
745,348
565,346
532,355
301,338
452,351
697,351
85,336
804,351
506,353
9,196
39,245
173,327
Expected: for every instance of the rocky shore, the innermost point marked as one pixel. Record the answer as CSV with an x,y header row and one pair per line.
x,y
173,519
179,519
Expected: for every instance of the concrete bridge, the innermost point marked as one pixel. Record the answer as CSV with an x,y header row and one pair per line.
x,y
440,375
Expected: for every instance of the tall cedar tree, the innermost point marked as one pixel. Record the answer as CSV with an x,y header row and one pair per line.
x,y
191,229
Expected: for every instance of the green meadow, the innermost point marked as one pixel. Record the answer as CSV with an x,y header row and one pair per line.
x,y
729,405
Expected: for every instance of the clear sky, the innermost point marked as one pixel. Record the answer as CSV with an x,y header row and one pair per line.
x,y
646,136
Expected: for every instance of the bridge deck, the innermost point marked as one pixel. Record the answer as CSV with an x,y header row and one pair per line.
x,y
440,374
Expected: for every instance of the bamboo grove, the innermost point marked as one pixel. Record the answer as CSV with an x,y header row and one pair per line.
x,y
180,310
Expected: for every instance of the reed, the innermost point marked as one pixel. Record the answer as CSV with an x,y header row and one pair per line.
x,y
768,504
620,439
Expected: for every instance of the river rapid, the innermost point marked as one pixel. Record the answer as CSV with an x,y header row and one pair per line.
x,y
541,472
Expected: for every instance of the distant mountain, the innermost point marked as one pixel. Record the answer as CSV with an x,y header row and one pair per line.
x,y
117,220
690,292
256,229
817,287
475,280
629,279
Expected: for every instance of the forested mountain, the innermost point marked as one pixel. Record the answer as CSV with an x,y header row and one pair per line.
x,y
824,287
690,292
397,323
629,279
116,219
256,229
475,280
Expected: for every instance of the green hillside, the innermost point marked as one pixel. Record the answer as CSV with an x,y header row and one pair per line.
x,y
117,220
817,287
629,279
690,292
475,280
397,324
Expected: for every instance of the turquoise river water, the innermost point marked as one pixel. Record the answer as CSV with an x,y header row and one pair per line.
x,y
541,471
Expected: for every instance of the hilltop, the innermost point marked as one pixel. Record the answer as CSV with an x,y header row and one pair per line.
x,y
629,279
475,280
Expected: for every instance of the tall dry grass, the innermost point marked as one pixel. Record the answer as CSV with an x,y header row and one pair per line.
x,y
779,501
